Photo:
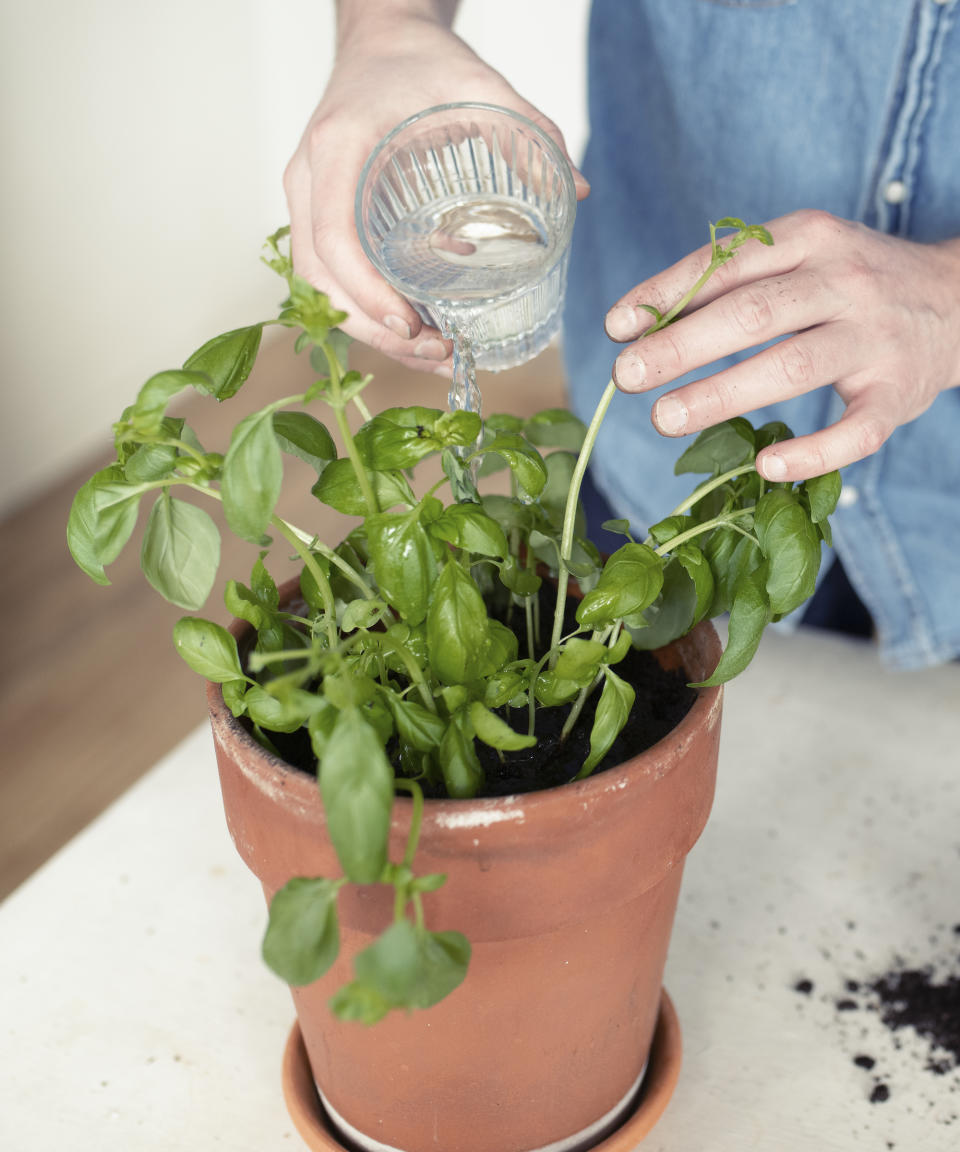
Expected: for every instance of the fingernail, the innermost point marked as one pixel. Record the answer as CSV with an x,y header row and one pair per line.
x,y
622,323
430,350
670,415
630,370
397,325
773,468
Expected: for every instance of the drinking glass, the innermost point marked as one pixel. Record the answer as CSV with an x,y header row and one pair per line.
x,y
467,210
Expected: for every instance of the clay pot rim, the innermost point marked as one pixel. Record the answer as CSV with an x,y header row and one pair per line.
x,y
449,816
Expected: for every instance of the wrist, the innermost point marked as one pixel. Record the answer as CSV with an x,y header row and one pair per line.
x,y
388,18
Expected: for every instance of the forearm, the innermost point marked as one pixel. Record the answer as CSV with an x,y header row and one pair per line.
x,y
360,17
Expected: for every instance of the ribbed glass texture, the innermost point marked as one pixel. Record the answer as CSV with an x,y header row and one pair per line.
x,y
467,209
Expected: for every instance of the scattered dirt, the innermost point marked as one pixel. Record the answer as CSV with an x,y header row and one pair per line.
x,y
917,1008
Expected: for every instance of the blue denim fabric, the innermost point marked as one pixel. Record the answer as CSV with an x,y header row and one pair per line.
x,y
706,108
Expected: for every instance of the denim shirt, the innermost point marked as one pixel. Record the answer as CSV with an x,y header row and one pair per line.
x,y
707,108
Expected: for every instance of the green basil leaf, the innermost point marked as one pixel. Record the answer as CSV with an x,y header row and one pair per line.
x,y
180,554
404,562
551,689
302,435
665,530
416,725
580,660
749,616
555,428
772,433
310,310
458,429
630,581
146,415
252,476
503,422
524,461
696,566
620,526
234,693
356,785
457,628
509,513
208,648
338,345
502,647
360,1003
320,724
302,938
520,580
227,360
502,687
731,557
468,527
672,613
276,715
112,508
462,772
553,496
398,438
82,524
719,449
338,487
150,462
822,493
309,589
457,471
791,545
412,968
613,710
489,728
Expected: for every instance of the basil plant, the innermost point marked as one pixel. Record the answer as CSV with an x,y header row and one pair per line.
x,y
420,639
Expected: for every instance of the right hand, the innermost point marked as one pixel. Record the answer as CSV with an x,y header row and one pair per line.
x,y
386,70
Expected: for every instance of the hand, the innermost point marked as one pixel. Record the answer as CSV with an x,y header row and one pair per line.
x,y
876,317
387,68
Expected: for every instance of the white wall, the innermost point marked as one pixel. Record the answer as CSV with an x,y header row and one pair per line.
x,y
142,150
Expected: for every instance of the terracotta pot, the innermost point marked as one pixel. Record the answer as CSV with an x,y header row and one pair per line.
x,y
567,897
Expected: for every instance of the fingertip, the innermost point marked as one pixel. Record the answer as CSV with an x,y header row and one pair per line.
x,y
772,467
622,323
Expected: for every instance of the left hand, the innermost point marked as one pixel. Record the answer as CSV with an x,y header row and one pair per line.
x,y
875,316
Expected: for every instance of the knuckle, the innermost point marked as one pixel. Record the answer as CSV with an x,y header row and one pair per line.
x,y
872,433
316,136
856,276
291,176
378,339
817,223
750,311
670,352
794,363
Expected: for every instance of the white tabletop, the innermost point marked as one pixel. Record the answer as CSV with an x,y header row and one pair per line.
x,y
135,1013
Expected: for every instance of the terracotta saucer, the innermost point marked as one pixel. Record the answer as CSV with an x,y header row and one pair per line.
x,y
313,1124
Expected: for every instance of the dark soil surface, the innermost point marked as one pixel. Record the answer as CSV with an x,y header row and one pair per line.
x,y
663,699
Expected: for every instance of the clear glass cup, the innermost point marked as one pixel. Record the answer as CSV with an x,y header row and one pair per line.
x,y
467,210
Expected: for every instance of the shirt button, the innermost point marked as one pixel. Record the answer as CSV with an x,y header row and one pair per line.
x,y
895,192
848,497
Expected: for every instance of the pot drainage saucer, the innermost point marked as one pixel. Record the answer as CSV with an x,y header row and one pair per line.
x,y
663,1068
